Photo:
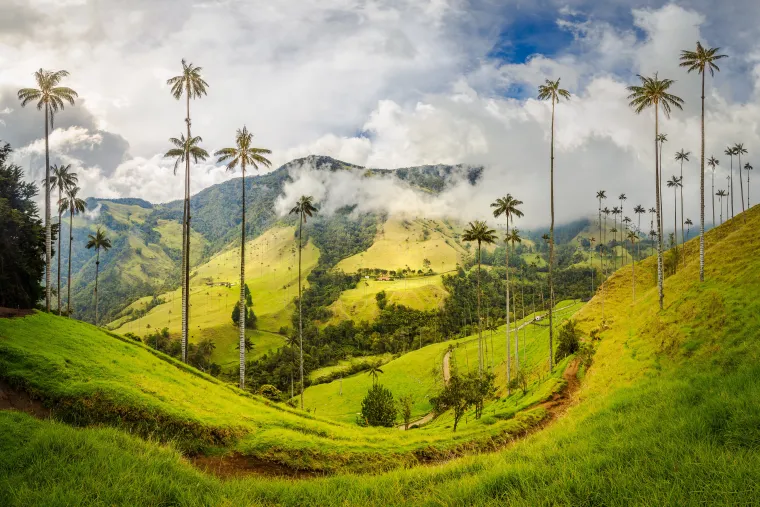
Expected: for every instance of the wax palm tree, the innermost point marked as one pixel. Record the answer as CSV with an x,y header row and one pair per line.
x,y
64,179
653,92
702,60
183,151
479,232
633,237
606,211
550,90
374,371
243,154
675,184
682,156
713,163
688,223
627,226
98,241
304,208
52,97
639,210
615,213
721,194
600,195
739,150
622,198
514,237
507,207
74,205
748,168
730,152
191,85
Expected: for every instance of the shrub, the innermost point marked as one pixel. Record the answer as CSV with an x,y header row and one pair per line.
x,y
270,392
379,407
568,341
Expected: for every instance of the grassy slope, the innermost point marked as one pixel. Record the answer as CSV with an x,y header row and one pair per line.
x,y
88,376
667,415
399,244
271,274
419,373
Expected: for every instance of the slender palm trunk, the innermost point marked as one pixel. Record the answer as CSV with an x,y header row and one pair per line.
x,y
300,302
551,252
683,239
702,191
243,311
638,245
97,267
601,257
741,185
731,187
633,279
657,206
748,206
675,227
68,279
509,359
480,324
48,232
186,243
713,200
58,253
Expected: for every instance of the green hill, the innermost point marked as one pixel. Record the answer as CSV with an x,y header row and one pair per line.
x,y
666,415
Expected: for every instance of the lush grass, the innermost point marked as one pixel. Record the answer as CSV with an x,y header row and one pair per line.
x,y
667,415
271,274
419,373
345,364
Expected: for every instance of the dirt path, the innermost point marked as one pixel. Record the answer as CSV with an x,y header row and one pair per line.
x,y
430,415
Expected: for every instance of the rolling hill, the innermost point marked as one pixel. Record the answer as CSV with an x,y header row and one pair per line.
x,y
667,414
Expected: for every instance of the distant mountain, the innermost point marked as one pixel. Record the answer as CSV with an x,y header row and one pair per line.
x,y
146,242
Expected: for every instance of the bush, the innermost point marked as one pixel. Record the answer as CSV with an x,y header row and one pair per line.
x,y
381,299
568,341
379,407
270,392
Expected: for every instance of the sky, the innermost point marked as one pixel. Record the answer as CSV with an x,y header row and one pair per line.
x,y
387,84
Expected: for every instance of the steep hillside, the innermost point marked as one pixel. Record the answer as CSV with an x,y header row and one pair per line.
x,y
666,415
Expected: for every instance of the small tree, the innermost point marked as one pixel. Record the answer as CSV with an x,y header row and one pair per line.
x,y
480,388
569,340
405,403
381,299
454,396
521,378
378,407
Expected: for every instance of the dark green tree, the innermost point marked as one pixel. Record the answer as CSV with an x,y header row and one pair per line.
x,y
379,407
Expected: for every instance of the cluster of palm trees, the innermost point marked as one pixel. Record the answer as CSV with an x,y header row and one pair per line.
x,y
737,150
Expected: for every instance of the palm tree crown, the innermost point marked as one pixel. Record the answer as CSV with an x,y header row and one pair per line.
x,y
713,162
701,59
304,207
243,153
682,156
48,92
98,240
551,91
63,178
189,82
72,203
507,206
479,231
186,149
654,92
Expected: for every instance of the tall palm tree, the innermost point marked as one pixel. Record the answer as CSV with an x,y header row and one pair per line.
x,y
748,168
653,92
243,154
721,194
550,90
514,237
63,179
191,85
688,223
606,211
627,226
652,212
507,207
74,205
98,241
52,97
183,151
479,232
675,183
622,198
632,237
731,152
304,208
639,210
713,163
682,156
701,60
739,150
